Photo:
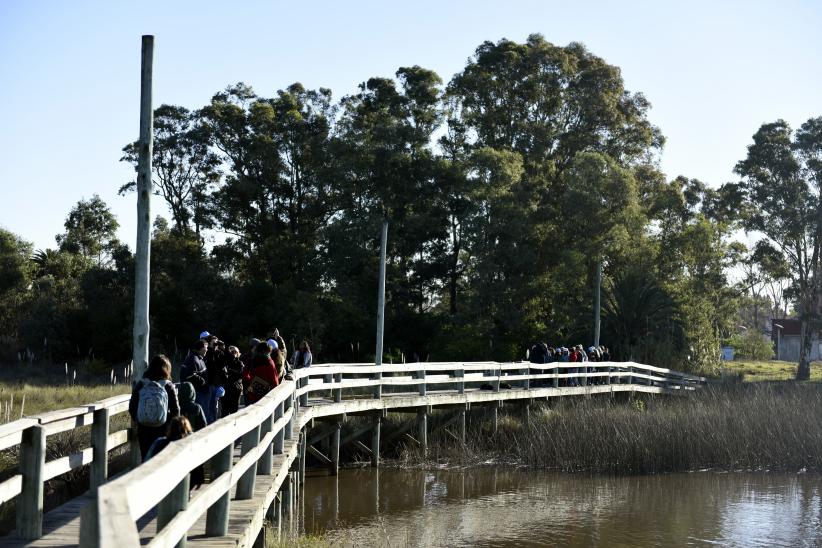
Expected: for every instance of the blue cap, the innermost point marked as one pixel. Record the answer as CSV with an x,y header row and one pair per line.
x,y
204,334
272,343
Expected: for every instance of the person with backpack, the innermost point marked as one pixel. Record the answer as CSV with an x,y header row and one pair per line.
x,y
153,402
260,377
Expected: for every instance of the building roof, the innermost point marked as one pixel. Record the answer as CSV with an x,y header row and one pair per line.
x,y
790,326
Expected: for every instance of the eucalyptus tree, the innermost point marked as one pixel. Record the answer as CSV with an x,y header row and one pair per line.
x,y
91,231
544,104
184,167
388,172
782,178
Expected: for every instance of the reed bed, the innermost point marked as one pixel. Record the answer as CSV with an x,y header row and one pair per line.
x,y
762,426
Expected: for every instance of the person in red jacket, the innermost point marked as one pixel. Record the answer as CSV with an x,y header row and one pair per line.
x,y
260,376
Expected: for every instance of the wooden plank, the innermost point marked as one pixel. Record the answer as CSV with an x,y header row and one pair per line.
x,y
117,439
12,432
64,424
11,488
68,463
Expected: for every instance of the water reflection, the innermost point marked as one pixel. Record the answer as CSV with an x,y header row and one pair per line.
x,y
497,507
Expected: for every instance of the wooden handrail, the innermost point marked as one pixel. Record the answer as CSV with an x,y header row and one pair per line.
x,y
121,502
30,434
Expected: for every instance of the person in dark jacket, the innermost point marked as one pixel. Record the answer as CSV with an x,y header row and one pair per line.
x,y
194,371
190,409
159,370
233,368
215,366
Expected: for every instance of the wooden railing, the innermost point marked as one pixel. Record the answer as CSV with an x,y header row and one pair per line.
x,y
30,436
162,484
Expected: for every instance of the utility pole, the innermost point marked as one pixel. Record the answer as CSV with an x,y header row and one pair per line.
x,y
597,304
143,249
381,305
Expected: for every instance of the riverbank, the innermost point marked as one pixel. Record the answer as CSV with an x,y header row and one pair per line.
x,y
728,427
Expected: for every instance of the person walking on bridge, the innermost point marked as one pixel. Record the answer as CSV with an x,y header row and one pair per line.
x,y
153,403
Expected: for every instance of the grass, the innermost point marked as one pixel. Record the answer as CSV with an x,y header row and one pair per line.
x,y
30,389
768,370
747,426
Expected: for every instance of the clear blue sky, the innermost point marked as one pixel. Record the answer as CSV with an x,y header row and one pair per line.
x,y
69,73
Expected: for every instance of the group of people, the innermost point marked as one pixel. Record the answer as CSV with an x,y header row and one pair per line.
x,y
542,353
213,379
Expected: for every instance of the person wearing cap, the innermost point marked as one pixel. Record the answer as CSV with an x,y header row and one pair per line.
x,y
194,371
275,334
278,356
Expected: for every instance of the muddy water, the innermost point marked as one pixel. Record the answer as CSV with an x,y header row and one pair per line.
x,y
518,507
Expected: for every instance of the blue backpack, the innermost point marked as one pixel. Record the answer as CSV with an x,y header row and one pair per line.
x,y
152,409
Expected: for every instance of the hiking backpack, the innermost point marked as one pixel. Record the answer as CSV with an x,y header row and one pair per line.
x,y
152,410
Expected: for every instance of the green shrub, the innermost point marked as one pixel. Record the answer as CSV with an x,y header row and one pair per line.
x,y
752,345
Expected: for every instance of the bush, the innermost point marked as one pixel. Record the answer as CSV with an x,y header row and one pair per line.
x,y
752,345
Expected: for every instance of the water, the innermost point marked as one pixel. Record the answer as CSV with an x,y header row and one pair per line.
x,y
498,507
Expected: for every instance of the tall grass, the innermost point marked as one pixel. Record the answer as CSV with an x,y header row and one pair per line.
x,y
726,427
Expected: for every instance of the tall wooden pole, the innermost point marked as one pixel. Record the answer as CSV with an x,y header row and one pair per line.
x,y
597,302
381,305
143,250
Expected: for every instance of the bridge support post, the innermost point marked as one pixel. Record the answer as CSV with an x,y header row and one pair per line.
x,y
422,427
556,374
245,486
171,505
460,374
527,382
462,425
266,463
217,514
274,514
99,443
289,428
338,391
287,496
304,397
423,388
301,470
32,468
375,441
279,438
334,467
494,418
260,541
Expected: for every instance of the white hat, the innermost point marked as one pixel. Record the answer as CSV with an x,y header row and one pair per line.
x,y
272,343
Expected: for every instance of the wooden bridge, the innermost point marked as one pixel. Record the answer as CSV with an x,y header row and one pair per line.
x,y
256,457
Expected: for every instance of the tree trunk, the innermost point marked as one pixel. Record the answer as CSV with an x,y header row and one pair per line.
x,y
803,372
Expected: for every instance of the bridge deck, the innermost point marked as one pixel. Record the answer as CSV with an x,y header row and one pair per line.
x,y
61,526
